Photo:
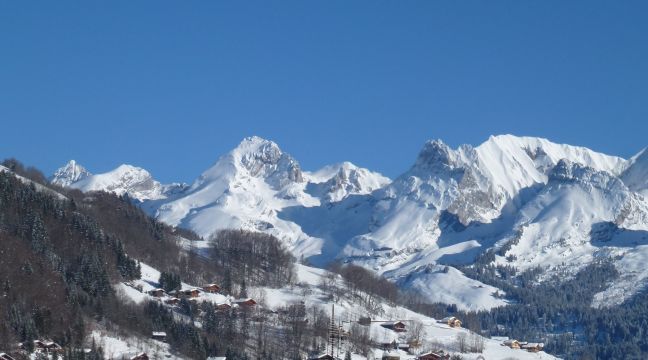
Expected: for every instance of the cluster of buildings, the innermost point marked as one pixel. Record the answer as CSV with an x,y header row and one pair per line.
x,y
47,347
523,345
193,294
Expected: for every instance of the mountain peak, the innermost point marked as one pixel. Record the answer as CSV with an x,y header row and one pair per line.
x,y
434,155
69,173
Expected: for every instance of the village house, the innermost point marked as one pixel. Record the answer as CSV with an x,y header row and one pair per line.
x,y
48,346
159,292
439,355
190,293
5,356
388,355
223,307
512,343
533,347
159,335
141,356
172,301
397,326
451,321
211,288
245,303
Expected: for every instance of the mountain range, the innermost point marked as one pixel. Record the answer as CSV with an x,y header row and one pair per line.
x,y
532,202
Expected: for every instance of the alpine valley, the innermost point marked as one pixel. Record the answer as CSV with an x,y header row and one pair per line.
x,y
518,205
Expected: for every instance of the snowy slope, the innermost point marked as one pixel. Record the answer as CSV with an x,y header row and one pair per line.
x,y
348,310
308,289
580,215
636,174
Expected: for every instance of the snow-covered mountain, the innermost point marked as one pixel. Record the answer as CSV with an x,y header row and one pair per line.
x,y
125,179
335,182
69,174
558,206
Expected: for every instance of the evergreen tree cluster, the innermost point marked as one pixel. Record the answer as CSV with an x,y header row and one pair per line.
x,y
169,281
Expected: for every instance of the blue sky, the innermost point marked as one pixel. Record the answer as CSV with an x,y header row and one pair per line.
x,y
170,86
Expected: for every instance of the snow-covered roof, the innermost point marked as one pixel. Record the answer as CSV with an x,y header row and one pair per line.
x,y
159,333
449,318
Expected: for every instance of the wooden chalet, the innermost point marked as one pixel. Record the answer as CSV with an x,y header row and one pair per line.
x,y
245,303
172,301
532,347
190,293
211,288
223,307
159,335
388,355
5,356
451,321
48,346
397,326
512,343
439,355
140,356
159,292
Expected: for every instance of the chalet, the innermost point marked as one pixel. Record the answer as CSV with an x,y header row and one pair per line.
x,y
140,356
156,292
190,293
512,343
321,357
533,347
47,346
388,355
159,335
451,321
397,326
172,301
223,307
438,355
211,288
217,358
5,356
245,303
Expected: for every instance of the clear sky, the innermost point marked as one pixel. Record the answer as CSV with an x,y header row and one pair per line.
x,y
170,86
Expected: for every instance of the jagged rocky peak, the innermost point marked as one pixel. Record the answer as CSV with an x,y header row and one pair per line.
x,y
567,171
263,158
352,180
69,174
435,153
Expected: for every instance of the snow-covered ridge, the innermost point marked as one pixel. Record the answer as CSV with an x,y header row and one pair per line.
x,y
125,179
